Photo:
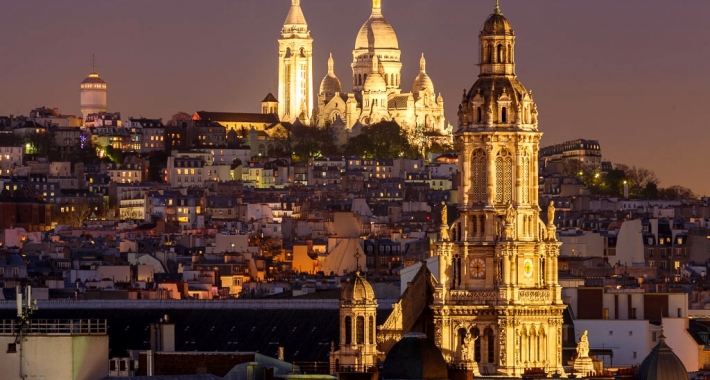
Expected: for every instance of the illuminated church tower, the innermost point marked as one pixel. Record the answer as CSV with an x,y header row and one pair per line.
x,y
93,94
497,304
295,67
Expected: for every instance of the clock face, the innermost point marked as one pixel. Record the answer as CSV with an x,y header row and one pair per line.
x,y
528,268
477,268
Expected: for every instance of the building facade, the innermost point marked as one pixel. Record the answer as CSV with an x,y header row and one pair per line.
x,y
497,303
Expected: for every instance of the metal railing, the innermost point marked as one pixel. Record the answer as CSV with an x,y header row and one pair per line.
x,y
56,327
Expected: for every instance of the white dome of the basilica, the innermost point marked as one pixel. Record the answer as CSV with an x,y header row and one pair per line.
x,y
422,82
330,84
376,32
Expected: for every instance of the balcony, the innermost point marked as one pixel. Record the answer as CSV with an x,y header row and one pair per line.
x,y
56,327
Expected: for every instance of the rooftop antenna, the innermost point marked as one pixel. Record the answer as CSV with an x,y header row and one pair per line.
x,y
24,309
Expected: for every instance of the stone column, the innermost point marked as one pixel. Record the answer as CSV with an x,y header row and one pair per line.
x,y
465,175
506,269
491,174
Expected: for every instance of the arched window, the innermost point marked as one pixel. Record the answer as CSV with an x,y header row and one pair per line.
x,y
491,345
372,330
360,330
489,54
479,176
479,115
499,54
509,56
504,115
288,53
359,79
348,330
482,223
364,78
526,178
476,344
474,225
504,177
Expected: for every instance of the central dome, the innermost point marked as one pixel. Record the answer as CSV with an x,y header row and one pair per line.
x,y
376,32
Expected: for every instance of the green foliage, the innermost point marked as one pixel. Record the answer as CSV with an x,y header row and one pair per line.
x,y
304,141
43,144
115,155
87,154
383,140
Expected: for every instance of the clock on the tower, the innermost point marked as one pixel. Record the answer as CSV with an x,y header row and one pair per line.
x,y
477,268
528,268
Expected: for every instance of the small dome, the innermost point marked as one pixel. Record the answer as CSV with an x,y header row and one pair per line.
x,y
93,78
375,81
376,33
357,290
422,82
415,357
662,363
497,24
330,84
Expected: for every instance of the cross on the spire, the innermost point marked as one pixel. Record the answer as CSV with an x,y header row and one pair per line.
x,y
497,8
357,258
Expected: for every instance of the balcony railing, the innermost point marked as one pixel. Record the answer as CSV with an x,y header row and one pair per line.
x,y
57,327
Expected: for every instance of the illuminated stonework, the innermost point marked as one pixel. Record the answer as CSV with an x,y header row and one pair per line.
x,y
499,280
295,67
377,92
93,95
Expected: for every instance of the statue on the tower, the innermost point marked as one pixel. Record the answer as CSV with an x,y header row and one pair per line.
x,y
551,213
510,214
444,213
467,353
583,346
534,113
583,363
444,227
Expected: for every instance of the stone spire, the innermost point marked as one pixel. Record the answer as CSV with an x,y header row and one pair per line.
x,y
422,64
295,14
496,10
330,64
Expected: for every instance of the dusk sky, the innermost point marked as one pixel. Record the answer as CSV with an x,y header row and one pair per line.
x,y
632,74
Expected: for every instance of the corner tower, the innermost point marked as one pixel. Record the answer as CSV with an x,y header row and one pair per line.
x,y
93,93
498,304
377,38
295,67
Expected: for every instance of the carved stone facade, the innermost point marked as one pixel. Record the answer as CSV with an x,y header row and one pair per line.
x,y
295,67
358,340
498,267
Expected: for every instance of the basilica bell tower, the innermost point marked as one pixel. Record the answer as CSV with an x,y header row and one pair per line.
x,y
497,304
295,67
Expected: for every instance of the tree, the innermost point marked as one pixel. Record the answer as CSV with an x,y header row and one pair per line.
x,y
385,139
43,144
179,118
676,193
638,179
77,213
